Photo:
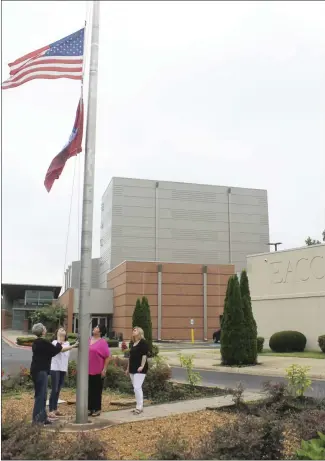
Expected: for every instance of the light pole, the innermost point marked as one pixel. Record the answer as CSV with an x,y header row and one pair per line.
x,y
275,245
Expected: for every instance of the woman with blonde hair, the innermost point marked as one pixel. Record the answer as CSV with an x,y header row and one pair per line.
x,y
138,366
59,368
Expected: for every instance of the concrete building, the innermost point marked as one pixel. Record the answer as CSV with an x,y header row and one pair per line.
x,y
288,292
176,293
101,301
19,301
177,222
72,274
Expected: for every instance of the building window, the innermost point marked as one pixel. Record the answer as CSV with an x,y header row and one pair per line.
x,y
38,298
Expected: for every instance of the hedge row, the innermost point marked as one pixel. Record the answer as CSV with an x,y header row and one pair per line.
x,y
288,341
28,340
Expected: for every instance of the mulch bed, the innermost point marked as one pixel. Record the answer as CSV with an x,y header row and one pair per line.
x,y
136,440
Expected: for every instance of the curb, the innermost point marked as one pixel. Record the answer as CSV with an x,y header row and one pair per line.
x,y
14,345
244,371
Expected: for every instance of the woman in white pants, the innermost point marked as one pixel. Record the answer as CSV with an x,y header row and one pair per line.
x,y
138,366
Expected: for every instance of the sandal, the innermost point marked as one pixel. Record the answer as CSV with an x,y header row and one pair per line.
x,y
137,412
96,413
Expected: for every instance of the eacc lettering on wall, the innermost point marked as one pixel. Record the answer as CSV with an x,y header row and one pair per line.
x,y
301,270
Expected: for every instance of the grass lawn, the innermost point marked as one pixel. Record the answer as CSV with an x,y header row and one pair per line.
x,y
304,355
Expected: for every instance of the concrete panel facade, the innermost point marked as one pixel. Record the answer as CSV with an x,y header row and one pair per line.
x,y
177,222
101,302
72,274
175,293
288,292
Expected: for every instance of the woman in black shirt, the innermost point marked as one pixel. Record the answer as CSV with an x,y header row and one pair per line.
x,y
43,351
138,366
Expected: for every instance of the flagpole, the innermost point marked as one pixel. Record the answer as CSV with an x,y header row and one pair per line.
x,y
87,225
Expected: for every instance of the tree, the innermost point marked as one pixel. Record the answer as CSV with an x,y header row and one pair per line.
x,y
250,327
233,350
142,318
309,241
51,316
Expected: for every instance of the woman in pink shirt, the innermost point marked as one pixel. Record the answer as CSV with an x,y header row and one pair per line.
x,y
99,354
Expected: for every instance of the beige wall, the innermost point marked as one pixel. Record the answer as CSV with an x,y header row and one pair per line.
x,y
288,292
101,301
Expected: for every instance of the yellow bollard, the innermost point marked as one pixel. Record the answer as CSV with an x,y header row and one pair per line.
x,y
192,335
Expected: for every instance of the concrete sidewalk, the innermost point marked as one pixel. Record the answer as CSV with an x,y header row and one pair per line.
x,y
269,365
171,409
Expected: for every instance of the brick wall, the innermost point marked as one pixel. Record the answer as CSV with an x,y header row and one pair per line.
x,y
6,319
67,300
181,300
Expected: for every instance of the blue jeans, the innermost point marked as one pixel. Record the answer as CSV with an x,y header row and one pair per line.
x,y
40,380
57,380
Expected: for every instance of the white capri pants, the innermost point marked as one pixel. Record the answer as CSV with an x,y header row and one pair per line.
x,y
137,381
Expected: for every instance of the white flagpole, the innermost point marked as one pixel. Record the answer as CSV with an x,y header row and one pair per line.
x,y
87,225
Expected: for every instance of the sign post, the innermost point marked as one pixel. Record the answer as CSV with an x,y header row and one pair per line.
x,y
192,330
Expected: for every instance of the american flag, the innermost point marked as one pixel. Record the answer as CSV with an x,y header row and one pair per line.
x,y
61,59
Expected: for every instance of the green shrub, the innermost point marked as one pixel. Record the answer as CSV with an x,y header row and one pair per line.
x,y
172,446
22,440
71,376
72,336
154,351
116,379
321,342
260,344
233,345
275,391
248,437
157,379
249,327
28,340
25,340
193,377
312,449
112,342
298,380
288,341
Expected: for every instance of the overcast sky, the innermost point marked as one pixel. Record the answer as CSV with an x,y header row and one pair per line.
x,y
210,92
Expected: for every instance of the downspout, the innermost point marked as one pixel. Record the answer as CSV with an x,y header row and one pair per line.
x,y
229,224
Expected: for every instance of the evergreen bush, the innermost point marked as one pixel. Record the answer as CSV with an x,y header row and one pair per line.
x,y
288,341
233,345
250,328
142,318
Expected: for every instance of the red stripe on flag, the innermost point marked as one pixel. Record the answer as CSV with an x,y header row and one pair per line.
x,y
46,77
73,148
29,56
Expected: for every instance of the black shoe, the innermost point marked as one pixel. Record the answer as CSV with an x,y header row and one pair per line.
x,y
96,413
90,412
